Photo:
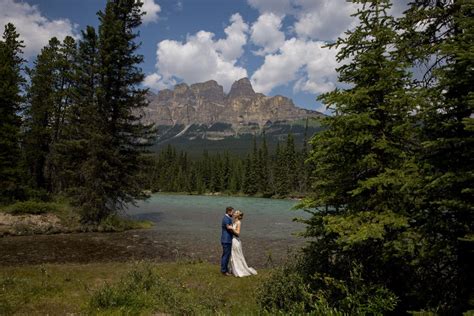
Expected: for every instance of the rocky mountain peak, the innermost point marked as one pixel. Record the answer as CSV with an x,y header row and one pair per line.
x,y
181,88
241,88
206,103
209,90
210,84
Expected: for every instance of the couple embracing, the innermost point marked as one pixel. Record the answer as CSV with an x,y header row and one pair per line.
x,y
232,247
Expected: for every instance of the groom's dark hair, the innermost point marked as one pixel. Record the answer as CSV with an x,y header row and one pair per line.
x,y
229,209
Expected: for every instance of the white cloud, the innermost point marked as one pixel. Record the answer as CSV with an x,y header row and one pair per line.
x,y
34,29
231,47
151,10
319,19
301,61
321,75
307,62
266,33
201,58
156,82
325,19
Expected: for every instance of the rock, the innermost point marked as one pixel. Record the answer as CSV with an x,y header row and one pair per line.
x,y
209,91
241,89
206,104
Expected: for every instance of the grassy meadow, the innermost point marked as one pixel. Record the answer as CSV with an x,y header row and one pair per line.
x,y
132,288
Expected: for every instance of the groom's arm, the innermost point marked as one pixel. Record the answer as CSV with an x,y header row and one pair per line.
x,y
231,229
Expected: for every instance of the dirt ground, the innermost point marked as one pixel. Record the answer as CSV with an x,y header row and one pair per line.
x,y
134,245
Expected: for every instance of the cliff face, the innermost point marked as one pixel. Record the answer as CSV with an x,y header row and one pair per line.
x,y
207,104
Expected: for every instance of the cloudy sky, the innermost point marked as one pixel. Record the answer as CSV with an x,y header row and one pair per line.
x,y
275,43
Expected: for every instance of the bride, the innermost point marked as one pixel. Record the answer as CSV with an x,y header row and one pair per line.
x,y
237,260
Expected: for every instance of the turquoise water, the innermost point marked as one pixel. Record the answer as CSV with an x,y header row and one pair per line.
x,y
201,216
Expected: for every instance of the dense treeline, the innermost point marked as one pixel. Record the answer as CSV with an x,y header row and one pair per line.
x,y
75,127
393,172
281,173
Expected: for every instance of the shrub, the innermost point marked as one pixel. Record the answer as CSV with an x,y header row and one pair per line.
x,y
32,207
140,289
290,291
115,223
284,291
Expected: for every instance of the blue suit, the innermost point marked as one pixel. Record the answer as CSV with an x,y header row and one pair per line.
x,y
226,241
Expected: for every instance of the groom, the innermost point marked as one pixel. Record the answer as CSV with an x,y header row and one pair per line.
x,y
226,240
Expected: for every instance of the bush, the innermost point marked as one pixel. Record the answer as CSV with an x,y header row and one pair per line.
x,y
139,290
115,223
32,207
284,291
290,291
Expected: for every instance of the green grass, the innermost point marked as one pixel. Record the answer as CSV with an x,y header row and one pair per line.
x,y
138,288
32,207
115,223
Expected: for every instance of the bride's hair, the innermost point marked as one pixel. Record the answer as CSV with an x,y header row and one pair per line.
x,y
239,214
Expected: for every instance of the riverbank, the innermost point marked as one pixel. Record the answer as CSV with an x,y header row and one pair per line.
x,y
291,197
130,245
183,287
45,218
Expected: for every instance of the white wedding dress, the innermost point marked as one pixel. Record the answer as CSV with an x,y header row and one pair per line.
x,y
238,265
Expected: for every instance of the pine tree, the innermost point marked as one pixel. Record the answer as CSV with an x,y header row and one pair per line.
x,y
65,71
10,121
364,164
249,185
447,214
281,172
116,139
42,99
256,169
227,171
235,180
264,167
292,165
306,166
78,152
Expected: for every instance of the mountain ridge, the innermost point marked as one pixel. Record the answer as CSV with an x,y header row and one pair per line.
x,y
201,116
207,103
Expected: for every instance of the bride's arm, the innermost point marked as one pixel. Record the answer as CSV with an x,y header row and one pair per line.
x,y
237,229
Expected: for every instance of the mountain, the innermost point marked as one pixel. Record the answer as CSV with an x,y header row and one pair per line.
x,y
202,115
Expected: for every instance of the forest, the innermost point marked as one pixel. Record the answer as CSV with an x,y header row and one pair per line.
x,y
388,183
71,123
262,173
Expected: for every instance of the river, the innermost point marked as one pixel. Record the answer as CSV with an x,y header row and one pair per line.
x,y
187,227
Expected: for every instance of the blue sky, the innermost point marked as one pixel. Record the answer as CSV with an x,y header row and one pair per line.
x,y
276,43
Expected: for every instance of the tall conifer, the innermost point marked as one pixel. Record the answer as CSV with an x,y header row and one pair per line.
x,y
10,121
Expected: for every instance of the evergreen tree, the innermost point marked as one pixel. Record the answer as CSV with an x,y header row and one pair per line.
x,y
264,167
281,172
365,168
64,69
227,171
446,159
236,176
117,139
79,152
306,165
42,98
292,165
10,121
256,169
249,184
